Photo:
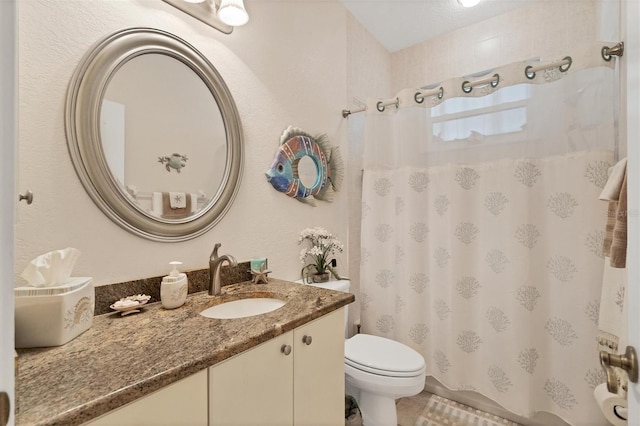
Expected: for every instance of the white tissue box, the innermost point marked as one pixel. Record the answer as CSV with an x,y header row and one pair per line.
x,y
52,316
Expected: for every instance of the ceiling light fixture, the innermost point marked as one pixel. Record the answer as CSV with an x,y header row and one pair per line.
x,y
468,3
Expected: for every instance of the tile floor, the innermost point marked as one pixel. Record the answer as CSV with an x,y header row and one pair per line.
x,y
409,409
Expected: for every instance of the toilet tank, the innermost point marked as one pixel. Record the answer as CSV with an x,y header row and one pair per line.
x,y
337,285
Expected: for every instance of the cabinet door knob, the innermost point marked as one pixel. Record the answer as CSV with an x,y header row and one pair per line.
x,y
285,349
28,197
306,340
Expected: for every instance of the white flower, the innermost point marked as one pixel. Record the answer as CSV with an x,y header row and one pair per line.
x,y
303,254
323,246
315,251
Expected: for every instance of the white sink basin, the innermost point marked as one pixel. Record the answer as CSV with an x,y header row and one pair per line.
x,y
243,308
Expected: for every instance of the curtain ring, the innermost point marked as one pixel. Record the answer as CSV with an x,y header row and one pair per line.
x,y
441,93
380,107
529,75
494,83
465,88
566,58
418,98
605,54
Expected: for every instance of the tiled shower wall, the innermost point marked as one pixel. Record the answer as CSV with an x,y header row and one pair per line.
x,y
549,30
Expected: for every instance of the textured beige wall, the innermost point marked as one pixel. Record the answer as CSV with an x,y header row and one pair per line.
x,y
279,73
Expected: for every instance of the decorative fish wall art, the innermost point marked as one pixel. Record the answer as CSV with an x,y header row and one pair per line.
x,y
296,144
176,161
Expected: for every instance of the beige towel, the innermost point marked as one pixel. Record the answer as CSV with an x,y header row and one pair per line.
x,y
608,229
611,190
619,242
169,213
615,240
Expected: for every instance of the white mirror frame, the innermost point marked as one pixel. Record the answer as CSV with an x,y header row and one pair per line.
x,y
82,124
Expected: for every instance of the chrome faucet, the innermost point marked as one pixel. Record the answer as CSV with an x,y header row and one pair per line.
x,y
215,263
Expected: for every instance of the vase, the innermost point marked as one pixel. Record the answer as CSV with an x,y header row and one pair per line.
x,y
320,278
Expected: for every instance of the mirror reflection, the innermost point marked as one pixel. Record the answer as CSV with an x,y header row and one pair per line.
x,y
163,136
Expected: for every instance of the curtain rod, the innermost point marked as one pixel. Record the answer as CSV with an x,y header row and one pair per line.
x,y
491,82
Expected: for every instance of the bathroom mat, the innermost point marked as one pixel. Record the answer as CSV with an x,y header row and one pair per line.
x,y
444,412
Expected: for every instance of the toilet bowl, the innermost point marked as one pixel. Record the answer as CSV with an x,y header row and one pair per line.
x,y
378,371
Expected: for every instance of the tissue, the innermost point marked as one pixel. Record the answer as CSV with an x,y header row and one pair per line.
x,y
51,269
612,406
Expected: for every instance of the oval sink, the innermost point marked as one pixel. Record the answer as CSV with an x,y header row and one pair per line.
x,y
243,308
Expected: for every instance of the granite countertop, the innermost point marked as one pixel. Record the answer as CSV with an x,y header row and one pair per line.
x,y
120,359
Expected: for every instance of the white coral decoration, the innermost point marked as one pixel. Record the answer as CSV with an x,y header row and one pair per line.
x,y
137,299
324,246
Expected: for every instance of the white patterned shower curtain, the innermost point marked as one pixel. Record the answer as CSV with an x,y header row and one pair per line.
x,y
484,253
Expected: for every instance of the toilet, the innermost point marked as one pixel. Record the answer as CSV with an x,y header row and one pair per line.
x,y
378,370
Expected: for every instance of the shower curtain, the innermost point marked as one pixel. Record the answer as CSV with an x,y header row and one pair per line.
x,y
482,233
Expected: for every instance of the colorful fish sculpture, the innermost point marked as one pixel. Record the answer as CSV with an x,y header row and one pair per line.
x,y
296,144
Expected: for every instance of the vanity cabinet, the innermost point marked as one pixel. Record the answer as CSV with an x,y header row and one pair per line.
x,y
318,371
294,379
181,403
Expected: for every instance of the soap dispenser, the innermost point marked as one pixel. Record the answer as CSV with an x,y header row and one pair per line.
x,y
174,287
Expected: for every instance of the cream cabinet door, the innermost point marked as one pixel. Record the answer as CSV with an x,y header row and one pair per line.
x,y
183,403
318,362
254,387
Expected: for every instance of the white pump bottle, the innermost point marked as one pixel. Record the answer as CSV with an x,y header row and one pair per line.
x,y
174,288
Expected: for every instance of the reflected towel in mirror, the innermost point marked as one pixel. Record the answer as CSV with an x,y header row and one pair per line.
x,y
177,200
175,213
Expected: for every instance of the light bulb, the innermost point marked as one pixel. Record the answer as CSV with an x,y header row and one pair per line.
x,y
232,12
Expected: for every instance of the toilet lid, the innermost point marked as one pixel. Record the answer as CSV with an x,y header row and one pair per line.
x,y
379,355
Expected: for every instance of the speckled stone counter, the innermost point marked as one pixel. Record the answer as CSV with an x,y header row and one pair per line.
x,y
120,359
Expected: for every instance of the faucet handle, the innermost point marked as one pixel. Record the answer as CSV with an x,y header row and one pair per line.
x,y
214,253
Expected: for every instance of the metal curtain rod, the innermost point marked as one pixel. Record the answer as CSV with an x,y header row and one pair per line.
x,y
563,66
467,86
422,94
615,50
494,80
348,112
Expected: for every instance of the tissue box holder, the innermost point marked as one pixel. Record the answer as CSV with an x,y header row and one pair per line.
x,y
52,316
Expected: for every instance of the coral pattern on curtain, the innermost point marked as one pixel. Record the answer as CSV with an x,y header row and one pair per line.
x,y
492,270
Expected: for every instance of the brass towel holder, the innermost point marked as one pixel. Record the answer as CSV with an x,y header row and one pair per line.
x,y
627,361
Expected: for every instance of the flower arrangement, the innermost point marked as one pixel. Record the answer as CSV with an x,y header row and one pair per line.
x,y
323,248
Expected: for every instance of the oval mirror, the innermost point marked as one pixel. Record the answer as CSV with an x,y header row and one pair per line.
x,y
154,134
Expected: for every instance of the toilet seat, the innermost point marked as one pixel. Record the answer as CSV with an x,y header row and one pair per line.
x,y
382,356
